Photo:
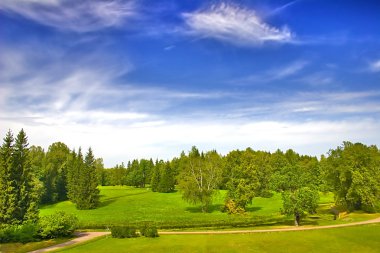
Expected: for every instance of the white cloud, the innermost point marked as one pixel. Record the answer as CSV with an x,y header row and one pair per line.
x,y
78,16
286,71
235,25
375,66
165,140
83,106
278,73
282,8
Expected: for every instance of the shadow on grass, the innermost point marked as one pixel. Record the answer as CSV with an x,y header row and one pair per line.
x,y
109,201
211,209
253,208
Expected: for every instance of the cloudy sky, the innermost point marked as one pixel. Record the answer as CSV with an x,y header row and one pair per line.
x,y
147,78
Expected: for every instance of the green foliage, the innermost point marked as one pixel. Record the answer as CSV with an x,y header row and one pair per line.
x,y
166,183
155,180
300,202
353,172
243,184
296,177
18,186
232,208
148,229
124,232
151,232
83,181
19,233
55,173
200,177
59,224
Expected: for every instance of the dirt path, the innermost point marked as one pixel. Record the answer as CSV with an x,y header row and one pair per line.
x,y
85,236
81,237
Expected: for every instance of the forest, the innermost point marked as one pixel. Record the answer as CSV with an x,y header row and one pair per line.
x,y
31,177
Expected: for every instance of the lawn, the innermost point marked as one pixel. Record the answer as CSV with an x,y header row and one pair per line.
x,y
351,239
123,205
30,246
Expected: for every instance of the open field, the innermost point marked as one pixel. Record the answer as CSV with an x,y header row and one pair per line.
x,y
351,239
122,205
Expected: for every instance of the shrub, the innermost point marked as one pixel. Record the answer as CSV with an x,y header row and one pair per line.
x,y
148,229
123,232
19,233
232,208
59,224
151,232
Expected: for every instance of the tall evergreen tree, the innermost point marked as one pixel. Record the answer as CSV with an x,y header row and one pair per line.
x,y
155,180
75,165
19,200
88,193
55,173
166,183
7,190
27,194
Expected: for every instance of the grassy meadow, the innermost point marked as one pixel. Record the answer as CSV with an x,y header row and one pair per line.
x,y
351,239
124,205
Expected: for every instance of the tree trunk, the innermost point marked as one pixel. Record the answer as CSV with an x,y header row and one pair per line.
x,y
297,219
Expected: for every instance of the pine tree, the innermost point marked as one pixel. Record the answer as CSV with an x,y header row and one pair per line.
x,y
75,165
156,176
27,191
7,190
19,195
88,193
55,173
166,183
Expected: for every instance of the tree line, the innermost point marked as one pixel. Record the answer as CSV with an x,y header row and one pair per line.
x,y
29,176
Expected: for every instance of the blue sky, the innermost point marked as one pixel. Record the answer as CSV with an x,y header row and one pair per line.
x,y
146,78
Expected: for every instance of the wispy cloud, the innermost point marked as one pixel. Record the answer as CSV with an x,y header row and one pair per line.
x,y
318,79
375,66
286,71
72,15
274,74
282,8
234,24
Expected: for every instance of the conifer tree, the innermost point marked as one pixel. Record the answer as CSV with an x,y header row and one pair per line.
x,y
19,195
155,180
166,183
7,191
75,165
88,193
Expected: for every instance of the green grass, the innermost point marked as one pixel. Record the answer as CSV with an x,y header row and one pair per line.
x,y
351,239
122,205
27,247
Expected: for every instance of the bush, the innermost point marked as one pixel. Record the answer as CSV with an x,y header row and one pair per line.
x,y
148,230
123,232
151,232
59,224
232,208
19,233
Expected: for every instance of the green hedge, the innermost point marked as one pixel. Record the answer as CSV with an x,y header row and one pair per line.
x,y
249,222
146,229
123,232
